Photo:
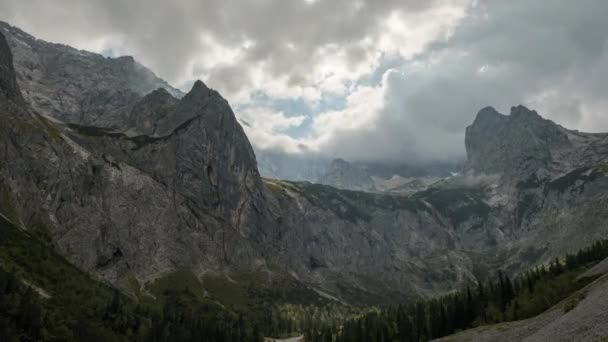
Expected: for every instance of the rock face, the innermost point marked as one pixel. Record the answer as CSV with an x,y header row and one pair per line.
x,y
150,110
550,182
183,200
77,86
524,143
157,183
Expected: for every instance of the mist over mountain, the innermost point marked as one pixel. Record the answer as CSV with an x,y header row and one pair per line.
x,y
380,176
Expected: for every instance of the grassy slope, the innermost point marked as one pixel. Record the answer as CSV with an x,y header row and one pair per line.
x,y
457,204
35,262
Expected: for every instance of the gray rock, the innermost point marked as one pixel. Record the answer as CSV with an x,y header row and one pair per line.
x,y
77,86
113,219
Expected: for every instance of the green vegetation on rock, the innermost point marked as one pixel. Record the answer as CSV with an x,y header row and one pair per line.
x,y
457,204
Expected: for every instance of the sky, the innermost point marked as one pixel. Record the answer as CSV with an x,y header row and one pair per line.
x,y
365,80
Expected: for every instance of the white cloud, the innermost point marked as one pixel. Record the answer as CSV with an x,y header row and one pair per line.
x,y
412,73
266,128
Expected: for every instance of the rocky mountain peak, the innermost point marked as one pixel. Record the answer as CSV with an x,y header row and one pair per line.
x,y
160,93
76,86
152,108
517,143
523,113
193,104
126,59
489,113
199,89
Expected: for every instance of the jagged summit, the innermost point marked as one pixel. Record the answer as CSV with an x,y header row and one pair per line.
x,y
489,112
199,88
193,104
516,112
79,87
489,116
523,113
198,94
152,108
524,144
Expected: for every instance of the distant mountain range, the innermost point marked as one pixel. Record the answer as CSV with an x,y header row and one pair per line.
x,y
389,177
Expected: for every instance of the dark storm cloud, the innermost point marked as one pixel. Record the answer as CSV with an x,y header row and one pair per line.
x,y
166,34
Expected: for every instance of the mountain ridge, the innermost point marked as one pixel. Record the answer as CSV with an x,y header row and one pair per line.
x,y
123,204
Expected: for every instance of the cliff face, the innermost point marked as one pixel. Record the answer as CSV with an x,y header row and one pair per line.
x,y
523,143
133,207
172,183
550,181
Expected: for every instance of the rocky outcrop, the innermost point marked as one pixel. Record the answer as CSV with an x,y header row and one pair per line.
x,y
520,143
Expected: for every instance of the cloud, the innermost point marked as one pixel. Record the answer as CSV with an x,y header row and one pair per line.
x,y
266,128
277,37
552,56
379,79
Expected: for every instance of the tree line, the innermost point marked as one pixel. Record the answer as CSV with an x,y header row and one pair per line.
x,y
82,310
497,300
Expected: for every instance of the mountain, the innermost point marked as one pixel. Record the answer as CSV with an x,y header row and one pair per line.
x,y
386,177
341,174
156,204
77,86
154,183
136,208
523,144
